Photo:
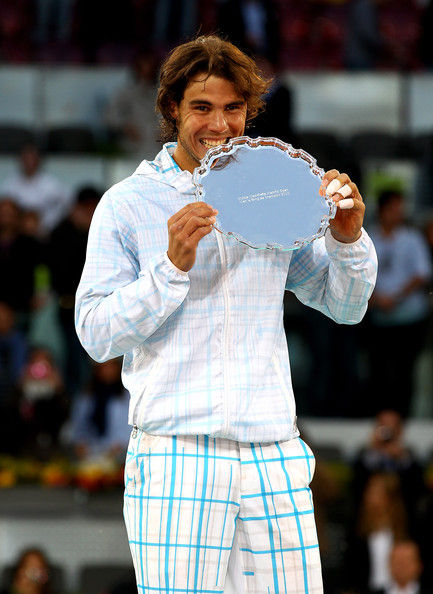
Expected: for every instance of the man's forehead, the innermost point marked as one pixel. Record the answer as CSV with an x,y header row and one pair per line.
x,y
212,88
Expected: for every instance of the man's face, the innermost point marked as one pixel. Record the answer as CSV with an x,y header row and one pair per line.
x,y
210,113
405,563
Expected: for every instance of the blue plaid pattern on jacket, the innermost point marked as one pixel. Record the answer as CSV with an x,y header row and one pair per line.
x,y
204,352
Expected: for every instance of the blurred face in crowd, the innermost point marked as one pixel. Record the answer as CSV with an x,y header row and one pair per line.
x,y
392,213
209,114
30,160
82,214
9,216
388,427
7,319
405,563
33,571
144,68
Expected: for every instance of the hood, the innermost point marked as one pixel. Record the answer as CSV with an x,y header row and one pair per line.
x,y
164,169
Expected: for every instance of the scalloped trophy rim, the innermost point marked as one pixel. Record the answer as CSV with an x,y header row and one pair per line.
x,y
229,148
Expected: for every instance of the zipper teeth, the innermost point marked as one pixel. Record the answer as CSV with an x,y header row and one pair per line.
x,y
225,331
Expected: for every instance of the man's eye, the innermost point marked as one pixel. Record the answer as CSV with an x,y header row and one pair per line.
x,y
202,107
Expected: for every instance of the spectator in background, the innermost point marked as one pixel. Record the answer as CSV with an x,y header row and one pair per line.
x,y
387,452
53,21
252,25
276,120
33,189
131,112
13,350
42,404
31,574
381,521
365,43
399,307
66,257
16,20
174,21
20,256
406,569
99,418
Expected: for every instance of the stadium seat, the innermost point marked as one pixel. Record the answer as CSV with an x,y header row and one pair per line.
x,y
95,579
13,138
19,103
70,139
366,145
325,147
78,170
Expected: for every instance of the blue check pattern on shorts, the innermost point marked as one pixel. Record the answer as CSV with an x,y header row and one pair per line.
x,y
190,502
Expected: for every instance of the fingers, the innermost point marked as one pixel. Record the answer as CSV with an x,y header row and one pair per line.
x,y
192,206
194,223
338,186
198,214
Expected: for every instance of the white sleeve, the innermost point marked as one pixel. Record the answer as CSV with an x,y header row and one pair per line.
x,y
119,306
335,278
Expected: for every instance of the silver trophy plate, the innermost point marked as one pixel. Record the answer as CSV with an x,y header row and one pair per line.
x,y
266,193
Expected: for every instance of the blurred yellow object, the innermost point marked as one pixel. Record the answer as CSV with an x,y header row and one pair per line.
x,y
8,478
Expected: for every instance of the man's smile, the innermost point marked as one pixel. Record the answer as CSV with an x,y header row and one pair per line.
x,y
210,143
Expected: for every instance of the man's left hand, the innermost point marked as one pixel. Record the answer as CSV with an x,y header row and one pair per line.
x,y
346,226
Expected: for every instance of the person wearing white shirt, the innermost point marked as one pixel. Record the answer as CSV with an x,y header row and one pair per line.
x,y
34,190
399,306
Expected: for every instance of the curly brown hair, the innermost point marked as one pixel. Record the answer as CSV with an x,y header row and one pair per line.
x,y
211,55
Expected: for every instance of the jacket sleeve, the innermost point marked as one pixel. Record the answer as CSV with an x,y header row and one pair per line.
x,y
335,278
118,306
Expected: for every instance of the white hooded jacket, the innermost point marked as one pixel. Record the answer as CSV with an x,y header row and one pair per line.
x,y
205,352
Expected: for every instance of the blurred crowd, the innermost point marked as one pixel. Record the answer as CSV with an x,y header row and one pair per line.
x,y
374,512
374,525
56,403
43,238
50,388
354,34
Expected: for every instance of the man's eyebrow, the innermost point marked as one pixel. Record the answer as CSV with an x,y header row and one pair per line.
x,y
205,102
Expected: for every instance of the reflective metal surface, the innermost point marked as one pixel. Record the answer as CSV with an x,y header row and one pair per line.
x,y
266,192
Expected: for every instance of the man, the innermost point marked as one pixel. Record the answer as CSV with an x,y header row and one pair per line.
x,y
66,256
406,569
34,190
400,305
129,113
215,446
387,452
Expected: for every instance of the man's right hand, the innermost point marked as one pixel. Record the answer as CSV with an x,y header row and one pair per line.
x,y
185,229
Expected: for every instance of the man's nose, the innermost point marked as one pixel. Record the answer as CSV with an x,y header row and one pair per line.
x,y
218,122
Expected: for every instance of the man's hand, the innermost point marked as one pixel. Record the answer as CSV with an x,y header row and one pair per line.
x,y
185,229
346,226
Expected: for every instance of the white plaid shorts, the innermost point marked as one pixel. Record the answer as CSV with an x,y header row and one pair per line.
x,y
191,503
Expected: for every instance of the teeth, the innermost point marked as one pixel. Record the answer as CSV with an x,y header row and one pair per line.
x,y
212,143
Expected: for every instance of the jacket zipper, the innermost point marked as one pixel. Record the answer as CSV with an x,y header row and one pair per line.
x,y
225,353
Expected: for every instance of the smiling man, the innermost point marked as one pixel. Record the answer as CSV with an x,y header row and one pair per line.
x,y
216,473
